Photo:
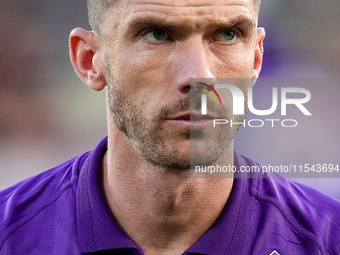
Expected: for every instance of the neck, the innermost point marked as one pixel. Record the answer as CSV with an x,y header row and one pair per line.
x,y
163,211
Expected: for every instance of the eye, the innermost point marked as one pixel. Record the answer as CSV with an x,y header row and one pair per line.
x,y
156,35
227,36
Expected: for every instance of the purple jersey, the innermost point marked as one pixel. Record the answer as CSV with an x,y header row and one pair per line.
x,y
64,211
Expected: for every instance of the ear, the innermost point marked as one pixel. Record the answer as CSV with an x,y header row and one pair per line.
x,y
258,52
87,58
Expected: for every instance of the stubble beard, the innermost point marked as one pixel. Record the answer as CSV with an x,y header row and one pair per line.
x,y
132,122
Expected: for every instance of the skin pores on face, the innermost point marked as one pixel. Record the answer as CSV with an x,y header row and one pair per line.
x,y
152,49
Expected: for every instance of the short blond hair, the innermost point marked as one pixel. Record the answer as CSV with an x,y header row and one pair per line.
x,y
96,9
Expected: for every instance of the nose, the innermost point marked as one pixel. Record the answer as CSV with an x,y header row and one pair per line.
x,y
193,61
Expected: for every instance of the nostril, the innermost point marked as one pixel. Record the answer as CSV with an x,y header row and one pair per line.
x,y
187,89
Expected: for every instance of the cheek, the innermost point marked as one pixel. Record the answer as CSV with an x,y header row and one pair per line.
x,y
140,74
235,64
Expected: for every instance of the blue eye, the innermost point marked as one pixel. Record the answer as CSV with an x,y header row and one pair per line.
x,y
156,35
227,36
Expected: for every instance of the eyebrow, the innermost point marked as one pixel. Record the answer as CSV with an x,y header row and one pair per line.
x,y
241,20
142,22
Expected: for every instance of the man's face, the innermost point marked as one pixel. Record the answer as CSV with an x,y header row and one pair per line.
x,y
152,49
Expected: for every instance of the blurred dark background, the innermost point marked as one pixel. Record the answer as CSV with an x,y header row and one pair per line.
x,y
47,115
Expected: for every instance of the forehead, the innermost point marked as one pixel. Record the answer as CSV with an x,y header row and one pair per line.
x,y
186,12
183,3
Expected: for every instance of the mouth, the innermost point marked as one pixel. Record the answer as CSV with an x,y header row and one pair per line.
x,y
192,121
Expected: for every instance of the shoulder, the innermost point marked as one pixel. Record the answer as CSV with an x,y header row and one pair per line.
x,y
32,202
290,194
306,211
